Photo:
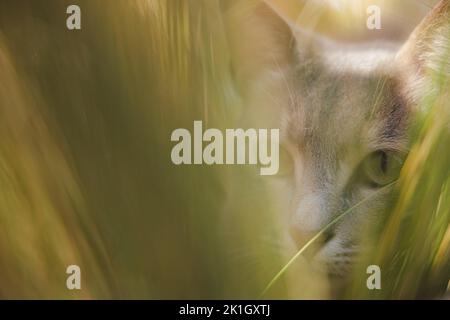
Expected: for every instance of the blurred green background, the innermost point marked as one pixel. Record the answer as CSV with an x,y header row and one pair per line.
x,y
86,176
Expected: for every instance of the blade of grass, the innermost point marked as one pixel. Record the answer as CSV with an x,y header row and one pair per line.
x,y
317,236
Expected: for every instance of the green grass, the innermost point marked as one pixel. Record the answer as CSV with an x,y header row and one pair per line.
x,y
86,177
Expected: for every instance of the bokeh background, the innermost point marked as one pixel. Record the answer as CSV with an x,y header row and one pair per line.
x,y
86,176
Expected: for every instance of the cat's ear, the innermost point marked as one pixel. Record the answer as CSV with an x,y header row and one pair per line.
x,y
427,51
263,37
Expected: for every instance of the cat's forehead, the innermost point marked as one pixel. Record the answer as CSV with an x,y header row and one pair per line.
x,y
343,105
362,59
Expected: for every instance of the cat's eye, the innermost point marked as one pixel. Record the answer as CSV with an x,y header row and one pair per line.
x,y
382,167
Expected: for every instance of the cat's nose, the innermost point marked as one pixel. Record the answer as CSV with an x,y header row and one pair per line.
x,y
308,221
315,239
300,237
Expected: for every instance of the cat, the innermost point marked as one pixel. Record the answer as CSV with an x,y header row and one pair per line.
x,y
86,117
344,113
